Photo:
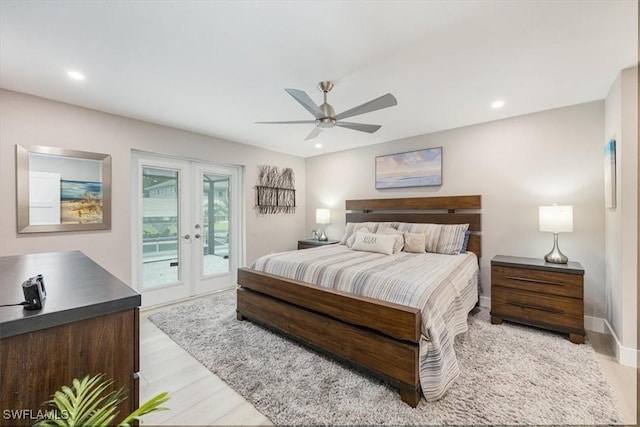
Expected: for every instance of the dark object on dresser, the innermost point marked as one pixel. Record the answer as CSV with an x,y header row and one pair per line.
x,y
311,243
537,293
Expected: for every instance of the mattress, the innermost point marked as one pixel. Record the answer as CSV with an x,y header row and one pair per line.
x,y
443,287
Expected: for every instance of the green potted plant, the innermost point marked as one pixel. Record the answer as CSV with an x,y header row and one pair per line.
x,y
88,403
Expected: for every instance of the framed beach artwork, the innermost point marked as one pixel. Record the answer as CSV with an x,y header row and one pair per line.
x,y
418,168
610,174
62,190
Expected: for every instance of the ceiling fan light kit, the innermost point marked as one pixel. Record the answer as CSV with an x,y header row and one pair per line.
x,y
325,115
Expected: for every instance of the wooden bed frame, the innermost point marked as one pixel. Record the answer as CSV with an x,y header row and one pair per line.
x,y
378,337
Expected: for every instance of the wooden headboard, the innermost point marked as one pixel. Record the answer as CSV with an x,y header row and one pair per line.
x,y
423,210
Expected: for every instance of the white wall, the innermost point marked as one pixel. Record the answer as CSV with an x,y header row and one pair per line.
x,y
621,124
28,121
516,165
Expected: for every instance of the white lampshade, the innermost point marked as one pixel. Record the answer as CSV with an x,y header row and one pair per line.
x,y
323,216
556,219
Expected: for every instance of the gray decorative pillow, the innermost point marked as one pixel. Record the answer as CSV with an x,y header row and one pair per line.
x,y
450,239
415,242
399,236
441,238
370,242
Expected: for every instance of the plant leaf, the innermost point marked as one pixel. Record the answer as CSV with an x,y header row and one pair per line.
x,y
149,406
86,404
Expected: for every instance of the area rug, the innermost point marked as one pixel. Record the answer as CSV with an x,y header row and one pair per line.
x,y
510,374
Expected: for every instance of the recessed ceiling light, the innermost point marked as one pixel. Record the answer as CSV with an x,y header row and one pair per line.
x,y
75,75
318,145
497,104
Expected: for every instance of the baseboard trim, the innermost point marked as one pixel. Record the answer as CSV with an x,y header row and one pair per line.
x,y
595,324
485,302
624,355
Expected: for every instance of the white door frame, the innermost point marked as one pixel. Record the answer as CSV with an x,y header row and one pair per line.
x,y
190,269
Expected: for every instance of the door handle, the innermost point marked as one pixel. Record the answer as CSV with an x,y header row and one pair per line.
x,y
187,237
197,236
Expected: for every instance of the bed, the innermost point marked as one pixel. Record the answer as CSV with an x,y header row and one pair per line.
x,y
392,341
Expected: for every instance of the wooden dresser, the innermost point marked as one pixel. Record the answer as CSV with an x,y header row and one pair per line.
x,y
538,293
89,324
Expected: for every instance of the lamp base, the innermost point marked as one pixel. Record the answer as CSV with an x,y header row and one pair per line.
x,y
323,237
555,256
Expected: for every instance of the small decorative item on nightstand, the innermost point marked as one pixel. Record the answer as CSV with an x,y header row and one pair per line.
x,y
538,293
310,243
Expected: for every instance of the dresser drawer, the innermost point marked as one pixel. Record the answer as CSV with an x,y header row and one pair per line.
x,y
548,310
546,282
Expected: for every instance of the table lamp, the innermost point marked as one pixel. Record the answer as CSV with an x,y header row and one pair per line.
x,y
323,216
556,219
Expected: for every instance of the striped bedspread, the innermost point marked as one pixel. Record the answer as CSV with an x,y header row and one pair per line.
x,y
443,287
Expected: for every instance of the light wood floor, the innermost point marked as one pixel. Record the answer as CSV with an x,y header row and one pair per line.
x,y
198,397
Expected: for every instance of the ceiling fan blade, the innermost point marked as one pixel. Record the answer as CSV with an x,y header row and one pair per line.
x,y
304,100
384,101
295,122
314,133
359,126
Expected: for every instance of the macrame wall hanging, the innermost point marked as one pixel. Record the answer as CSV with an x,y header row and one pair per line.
x,y
275,191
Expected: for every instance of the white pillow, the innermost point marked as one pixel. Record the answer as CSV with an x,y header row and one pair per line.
x,y
352,227
370,242
414,242
358,228
399,236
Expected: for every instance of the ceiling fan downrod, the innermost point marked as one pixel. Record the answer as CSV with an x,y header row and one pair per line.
x,y
328,120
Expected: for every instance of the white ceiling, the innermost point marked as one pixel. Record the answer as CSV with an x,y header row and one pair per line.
x,y
217,67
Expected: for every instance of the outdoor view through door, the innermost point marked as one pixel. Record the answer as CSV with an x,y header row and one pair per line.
x,y
215,233
187,228
160,227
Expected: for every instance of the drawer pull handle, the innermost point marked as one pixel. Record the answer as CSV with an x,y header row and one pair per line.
x,y
535,307
526,279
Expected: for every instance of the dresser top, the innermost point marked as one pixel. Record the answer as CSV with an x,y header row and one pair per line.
x,y
77,289
572,267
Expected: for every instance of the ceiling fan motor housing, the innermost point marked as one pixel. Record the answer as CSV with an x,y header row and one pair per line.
x,y
326,122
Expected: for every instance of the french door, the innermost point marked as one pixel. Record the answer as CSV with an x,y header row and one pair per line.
x,y
187,227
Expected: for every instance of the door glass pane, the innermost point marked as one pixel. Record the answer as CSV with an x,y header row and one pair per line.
x,y
215,202
160,227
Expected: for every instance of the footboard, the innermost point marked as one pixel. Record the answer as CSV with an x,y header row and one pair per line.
x,y
378,337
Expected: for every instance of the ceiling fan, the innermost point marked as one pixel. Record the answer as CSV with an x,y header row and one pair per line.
x,y
326,117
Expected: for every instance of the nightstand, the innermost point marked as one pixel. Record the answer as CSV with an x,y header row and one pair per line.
x,y
310,243
538,293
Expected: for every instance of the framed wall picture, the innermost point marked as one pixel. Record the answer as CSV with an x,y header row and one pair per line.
x,y
62,190
418,168
610,174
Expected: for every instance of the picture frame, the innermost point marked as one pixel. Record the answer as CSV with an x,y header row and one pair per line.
x,y
419,168
60,189
610,174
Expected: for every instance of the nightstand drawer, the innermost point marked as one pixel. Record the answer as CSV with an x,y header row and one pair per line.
x,y
533,308
547,282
